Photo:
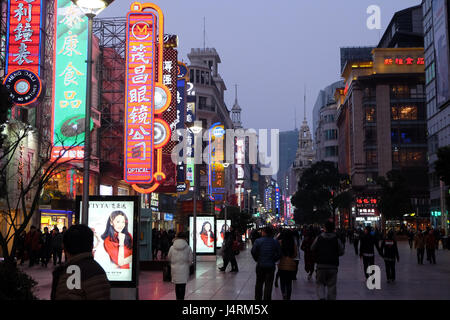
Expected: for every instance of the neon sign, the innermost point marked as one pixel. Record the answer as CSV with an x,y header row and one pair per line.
x,y
146,97
216,178
69,81
23,62
404,61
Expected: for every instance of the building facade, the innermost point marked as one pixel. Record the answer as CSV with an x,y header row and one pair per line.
x,y
324,124
436,44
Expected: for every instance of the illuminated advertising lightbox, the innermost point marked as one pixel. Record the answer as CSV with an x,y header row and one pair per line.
x,y
205,234
23,49
69,81
140,88
114,221
220,231
441,49
216,171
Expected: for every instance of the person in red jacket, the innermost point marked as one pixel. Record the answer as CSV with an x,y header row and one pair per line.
x,y
207,235
33,246
117,241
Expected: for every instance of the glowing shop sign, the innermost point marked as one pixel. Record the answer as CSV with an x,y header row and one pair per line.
x,y
404,61
216,172
140,88
69,81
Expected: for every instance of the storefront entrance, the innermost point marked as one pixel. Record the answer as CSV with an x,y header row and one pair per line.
x,y
59,218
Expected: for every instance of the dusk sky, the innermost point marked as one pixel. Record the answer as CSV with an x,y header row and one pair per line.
x,y
271,50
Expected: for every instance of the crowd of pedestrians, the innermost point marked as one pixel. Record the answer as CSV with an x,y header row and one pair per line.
x,y
40,247
162,240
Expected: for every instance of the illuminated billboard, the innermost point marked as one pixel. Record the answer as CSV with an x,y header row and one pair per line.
x,y
147,98
205,230
114,221
69,81
23,48
140,90
216,171
220,231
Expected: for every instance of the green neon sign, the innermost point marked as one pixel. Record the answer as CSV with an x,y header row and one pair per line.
x,y
70,78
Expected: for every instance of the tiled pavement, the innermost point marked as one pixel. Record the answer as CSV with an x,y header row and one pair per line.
x,y
413,281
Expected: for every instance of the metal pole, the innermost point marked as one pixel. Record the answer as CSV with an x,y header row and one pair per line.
x,y
87,122
195,218
225,217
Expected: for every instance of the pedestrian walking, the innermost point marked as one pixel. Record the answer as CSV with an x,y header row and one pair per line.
x,y
430,244
368,243
356,236
21,247
389,252
56,245
78,243
419,244
254,235
32,245
180,257
155,243
228,253
410,238
64,229
308,255
266,252
287,266
327,249
46,249
164,244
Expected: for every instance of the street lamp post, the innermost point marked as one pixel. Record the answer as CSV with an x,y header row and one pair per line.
x,y
225,165
196,128
90,8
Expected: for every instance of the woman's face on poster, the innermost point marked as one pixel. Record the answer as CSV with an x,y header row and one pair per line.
x,y
118,223
207,227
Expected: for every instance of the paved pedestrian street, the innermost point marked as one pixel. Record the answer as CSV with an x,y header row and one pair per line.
x,y
427,282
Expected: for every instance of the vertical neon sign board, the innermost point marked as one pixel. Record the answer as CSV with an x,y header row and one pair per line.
x,y
69,81
23,61
216,179
140,88
24,35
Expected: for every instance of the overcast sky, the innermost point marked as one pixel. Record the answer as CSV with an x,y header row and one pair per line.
x,y
272,49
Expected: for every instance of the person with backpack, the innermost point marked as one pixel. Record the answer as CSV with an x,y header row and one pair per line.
x,y
389,252
327,249
266,252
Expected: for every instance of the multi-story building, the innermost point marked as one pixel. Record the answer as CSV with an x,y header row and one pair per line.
x,y
436,44
324,124
381,120
210,105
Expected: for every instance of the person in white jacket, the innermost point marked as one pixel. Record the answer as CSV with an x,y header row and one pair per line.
x,y
180,257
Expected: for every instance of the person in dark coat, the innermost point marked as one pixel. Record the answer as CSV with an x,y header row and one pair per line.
x,y
266,252
410,238
32,245
56,245
368,243
46,248
419,244
164,244
356,237
389,252
228,253
430,245
309,256
254,235
155,243
78,243
21,247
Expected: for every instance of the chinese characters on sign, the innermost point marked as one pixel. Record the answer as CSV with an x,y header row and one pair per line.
x,y
216,172
69,94
367,206
24,36
140,82
404,61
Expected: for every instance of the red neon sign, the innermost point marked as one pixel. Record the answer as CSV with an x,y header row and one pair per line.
x,y
24,29
404,61
140,87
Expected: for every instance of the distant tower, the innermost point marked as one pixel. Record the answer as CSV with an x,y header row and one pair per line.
x,y
305,154
236,112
